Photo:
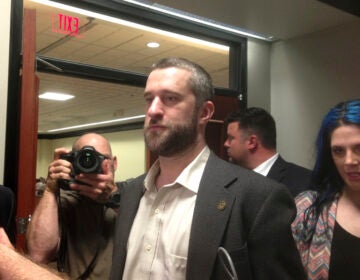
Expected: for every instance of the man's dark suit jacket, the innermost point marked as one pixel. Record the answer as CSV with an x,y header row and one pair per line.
x,y
237,209
295,177
7,212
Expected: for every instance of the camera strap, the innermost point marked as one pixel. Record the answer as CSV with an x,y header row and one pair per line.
x,y
91,266
63,243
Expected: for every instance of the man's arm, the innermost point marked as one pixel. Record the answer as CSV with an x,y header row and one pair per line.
x,y
43,232
43,235
15,266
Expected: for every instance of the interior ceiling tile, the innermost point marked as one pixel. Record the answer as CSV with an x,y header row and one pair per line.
x,y
98,33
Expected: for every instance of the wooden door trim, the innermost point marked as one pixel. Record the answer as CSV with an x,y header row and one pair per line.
x,y
26,175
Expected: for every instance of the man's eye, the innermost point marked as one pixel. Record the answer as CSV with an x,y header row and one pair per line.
x,y
170,99
148,100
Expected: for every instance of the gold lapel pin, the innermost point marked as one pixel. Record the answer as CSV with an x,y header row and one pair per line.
x,y
221,205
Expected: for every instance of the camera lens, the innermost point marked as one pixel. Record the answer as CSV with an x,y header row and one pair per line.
x,y
87,161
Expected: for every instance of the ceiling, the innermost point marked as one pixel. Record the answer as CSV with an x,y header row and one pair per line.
x,y
283,19
111,45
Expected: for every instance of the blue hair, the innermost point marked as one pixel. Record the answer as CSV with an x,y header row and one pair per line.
x,y
326,178
325,173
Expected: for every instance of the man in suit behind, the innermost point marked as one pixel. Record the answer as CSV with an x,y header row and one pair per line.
x,y
251,143
173,219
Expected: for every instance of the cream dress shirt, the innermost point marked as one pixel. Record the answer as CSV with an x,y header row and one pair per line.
x,y
158,243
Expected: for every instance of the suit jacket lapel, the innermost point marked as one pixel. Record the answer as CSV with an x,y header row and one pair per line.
x,y
213,207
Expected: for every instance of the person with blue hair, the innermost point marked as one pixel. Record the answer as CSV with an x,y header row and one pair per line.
x,y
327,226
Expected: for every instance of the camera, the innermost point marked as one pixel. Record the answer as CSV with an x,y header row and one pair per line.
x,y
86,160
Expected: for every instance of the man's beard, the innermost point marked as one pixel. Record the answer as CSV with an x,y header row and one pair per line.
x,y
176,138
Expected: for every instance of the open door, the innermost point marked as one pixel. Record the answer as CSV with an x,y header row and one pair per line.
x,y
28,129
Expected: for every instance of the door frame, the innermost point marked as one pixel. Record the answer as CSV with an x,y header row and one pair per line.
x,y
17,149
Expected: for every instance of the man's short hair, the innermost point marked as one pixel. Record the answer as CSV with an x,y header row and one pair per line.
x,y
255,120
200,81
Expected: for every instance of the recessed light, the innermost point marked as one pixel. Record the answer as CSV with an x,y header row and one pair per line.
x,y
153,45
56,96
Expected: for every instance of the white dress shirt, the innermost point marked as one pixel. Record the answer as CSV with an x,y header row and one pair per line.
x,y
265,167
158,243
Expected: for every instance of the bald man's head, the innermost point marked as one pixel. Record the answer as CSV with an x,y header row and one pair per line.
x,y
100,144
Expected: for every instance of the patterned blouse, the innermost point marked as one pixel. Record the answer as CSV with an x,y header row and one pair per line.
x,y
315,252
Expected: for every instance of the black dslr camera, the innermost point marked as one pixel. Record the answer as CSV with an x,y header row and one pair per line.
x,y
86,160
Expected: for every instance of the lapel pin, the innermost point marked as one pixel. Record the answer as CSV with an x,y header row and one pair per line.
x,y
221,205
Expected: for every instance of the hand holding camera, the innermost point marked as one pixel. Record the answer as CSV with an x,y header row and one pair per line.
x,y
86,171
87,160
58,169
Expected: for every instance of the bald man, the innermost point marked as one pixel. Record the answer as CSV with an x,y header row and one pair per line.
x,y
73,223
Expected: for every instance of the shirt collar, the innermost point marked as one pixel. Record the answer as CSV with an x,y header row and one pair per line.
x,y
264,167
189,178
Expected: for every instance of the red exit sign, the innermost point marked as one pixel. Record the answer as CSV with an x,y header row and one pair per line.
x,y
65,24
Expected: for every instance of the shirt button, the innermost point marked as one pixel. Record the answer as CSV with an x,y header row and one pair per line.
x,y
148,248
157,211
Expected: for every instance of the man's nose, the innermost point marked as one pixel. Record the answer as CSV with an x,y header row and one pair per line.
x,y
155,108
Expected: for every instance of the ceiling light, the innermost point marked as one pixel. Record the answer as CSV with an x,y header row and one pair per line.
x,y
56,96
132,24
153,45
139,117
198,19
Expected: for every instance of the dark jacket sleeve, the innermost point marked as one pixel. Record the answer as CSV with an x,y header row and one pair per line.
x,y
7,212
272,249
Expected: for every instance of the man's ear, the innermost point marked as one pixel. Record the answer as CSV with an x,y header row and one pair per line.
x,y
114,161
253,142
206,111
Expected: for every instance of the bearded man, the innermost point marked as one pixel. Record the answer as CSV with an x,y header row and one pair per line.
x,y
193,215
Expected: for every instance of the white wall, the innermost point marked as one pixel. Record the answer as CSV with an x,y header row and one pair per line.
x,y
127,146
309,75
5,10
258,74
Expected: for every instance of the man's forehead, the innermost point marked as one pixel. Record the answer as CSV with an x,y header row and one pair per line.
x,y
169,72
87,141
163,79
98,143
233,125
